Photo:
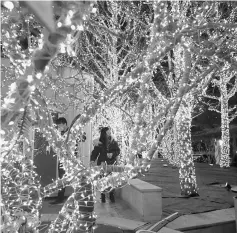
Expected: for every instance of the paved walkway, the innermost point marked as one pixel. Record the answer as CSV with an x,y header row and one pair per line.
x,y
117,214
119,209
212,197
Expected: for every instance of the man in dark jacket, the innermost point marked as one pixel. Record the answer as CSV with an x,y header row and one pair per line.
x,y
107,151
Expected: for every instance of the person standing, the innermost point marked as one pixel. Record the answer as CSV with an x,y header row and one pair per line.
x,y
107,151
63,128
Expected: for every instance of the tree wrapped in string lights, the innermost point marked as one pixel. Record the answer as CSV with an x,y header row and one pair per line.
x,y
220,104
224,42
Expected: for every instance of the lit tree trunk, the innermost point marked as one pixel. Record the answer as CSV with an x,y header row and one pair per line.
x,y
169,146
78,209
166,146
176,145
225,134
137,132
187,175
85,219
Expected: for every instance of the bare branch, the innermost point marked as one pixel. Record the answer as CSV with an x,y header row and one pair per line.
x,y
233,90
117,106
211,97
233,116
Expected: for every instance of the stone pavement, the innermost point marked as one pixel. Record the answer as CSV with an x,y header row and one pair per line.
x,y
211,197
119,214
99,229
115,217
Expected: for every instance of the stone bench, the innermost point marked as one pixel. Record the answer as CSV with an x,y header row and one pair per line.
x,y
144,198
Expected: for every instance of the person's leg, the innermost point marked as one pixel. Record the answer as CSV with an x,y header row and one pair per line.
x,y
60,197
61,192
111,196
102,197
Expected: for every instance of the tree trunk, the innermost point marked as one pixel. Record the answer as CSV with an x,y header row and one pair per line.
x,y
84,216
187,175
176,145
77,213
225,133
169,147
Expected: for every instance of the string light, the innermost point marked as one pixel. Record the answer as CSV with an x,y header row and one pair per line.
x,y
9,5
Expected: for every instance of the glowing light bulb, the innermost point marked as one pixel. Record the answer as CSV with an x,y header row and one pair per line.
x,y
29,78
9,5
59,24
80,28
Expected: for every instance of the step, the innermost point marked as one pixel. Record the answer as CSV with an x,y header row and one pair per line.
x,y
160,226
122,223
162,230
214,221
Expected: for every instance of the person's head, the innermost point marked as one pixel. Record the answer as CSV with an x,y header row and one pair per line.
x,y
100,128
61,123
105,135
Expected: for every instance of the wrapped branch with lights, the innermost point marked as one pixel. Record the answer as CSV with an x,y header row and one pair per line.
x,y
18,98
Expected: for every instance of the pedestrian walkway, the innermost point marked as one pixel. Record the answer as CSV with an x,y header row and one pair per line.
x,y
118,214
121,216
118,209
211,197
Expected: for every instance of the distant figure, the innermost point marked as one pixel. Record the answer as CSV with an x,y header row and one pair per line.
x,y
63,128
106,151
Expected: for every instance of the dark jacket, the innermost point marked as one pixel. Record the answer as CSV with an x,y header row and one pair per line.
x,y
101,151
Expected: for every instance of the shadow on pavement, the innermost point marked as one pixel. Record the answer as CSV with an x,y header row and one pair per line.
x,y
99,229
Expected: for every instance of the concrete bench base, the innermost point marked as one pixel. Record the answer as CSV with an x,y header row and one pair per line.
x,y
144,198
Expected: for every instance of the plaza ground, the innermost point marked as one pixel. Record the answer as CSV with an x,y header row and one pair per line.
x,y
212,196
